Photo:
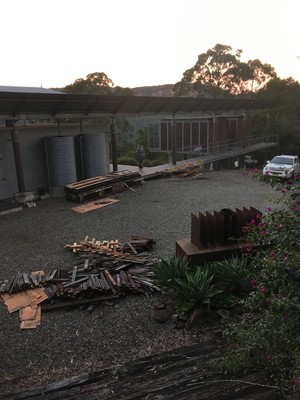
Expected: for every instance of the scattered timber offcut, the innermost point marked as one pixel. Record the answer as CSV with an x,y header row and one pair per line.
x,y
101,270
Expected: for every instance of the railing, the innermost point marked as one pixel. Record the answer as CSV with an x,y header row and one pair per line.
x,y
224,149
228,145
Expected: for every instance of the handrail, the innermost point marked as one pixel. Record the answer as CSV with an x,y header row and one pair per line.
x,y
229,145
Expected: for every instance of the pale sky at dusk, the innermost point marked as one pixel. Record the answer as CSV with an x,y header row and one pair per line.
x,y
51,43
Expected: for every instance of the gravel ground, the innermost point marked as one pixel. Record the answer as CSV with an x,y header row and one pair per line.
x,y
72,342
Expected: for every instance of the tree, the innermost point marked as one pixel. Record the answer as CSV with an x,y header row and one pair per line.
x,y
220,73
124,130
96,83
285,117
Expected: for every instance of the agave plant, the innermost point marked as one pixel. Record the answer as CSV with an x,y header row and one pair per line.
x,y
232,275
166,271
194,288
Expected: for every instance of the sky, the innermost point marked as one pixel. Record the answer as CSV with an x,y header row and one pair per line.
x,y
51,43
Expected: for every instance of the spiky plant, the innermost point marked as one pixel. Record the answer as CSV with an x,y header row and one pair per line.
x,y
166,271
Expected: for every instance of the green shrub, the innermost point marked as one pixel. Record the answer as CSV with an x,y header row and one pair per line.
x,y
154,163
267,335
127,161
232,275
195,288
187,286
166,271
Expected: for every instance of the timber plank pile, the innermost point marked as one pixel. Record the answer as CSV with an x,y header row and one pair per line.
x,y
102,186
101,270
185,373
187,170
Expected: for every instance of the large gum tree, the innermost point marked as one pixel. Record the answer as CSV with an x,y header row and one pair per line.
x,y
220,73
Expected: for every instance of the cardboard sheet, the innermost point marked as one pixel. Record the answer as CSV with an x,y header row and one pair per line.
x,y
94,205
16,301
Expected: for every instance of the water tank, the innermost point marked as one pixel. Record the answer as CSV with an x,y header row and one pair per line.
x,y
95,155
61,162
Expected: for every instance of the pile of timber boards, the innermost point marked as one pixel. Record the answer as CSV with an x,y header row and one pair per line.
x,y
102,186
101,270
190,169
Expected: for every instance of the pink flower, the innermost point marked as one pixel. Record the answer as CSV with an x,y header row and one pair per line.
x,y
263,290
252,222
298,208
249,248
296,381
258,216
269,357
282,190
272,253
252,282
260,224
269,209
262,232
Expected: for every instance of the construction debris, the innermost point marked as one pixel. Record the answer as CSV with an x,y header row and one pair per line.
x,y
187,170
93,205
102,186
101,270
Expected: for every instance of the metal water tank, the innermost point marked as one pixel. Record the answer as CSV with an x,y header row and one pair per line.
x,y
61,162
95,154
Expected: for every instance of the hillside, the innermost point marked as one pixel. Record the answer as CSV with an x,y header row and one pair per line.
x,y
160,90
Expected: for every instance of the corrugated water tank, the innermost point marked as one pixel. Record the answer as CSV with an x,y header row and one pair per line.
x,y
95,155
61,162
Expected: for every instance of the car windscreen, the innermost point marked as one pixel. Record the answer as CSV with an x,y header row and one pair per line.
x,y
282,160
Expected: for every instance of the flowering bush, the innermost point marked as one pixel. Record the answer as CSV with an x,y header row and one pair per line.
x,y
268,334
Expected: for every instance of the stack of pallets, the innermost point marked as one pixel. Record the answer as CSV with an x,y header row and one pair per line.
x,y
102,186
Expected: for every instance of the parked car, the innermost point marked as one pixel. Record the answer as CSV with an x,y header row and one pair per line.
x,y
283,166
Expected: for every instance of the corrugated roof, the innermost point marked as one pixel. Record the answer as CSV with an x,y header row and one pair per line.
x,y
45,105
28,89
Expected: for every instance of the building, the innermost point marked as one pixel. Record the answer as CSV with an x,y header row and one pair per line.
x,y
49,139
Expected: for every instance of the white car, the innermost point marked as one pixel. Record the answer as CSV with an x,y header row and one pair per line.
x,y
284,166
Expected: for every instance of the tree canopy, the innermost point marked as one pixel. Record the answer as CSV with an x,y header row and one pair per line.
x,y
220,73
96,83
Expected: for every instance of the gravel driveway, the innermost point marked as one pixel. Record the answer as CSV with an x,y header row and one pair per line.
x,y
72,342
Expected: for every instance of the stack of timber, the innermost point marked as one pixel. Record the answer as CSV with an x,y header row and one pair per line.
x,y
101,270
102,186
187,170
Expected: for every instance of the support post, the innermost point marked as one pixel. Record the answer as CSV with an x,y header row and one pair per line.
x,y
17,155
244,130
214,137
173,141
113,144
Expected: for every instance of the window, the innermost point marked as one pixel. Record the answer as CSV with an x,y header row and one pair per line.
x,y
153,139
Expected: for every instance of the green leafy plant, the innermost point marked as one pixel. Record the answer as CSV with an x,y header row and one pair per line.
x,y
267,334
166,271
232,275
194,288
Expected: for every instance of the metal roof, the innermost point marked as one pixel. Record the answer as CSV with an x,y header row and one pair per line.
x,y
28,89
44,105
